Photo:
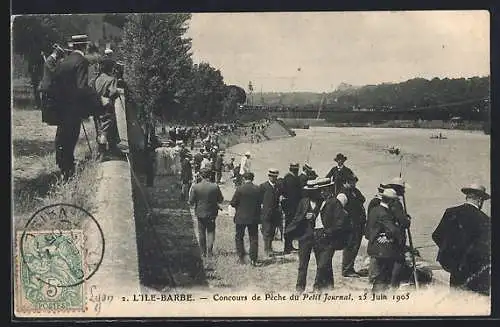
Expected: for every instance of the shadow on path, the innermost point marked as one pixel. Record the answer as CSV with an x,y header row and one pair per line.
x,y
169,255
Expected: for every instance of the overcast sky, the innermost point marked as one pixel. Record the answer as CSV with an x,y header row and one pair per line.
x,y
316,51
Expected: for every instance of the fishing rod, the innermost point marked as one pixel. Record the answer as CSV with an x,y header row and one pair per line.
x,y
410,239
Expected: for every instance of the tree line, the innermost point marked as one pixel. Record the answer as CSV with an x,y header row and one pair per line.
x,y
164,81
460,95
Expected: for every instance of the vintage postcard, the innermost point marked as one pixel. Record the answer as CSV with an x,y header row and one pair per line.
x,y
239,165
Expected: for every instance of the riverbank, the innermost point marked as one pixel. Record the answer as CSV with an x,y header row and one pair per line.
x,y
425,124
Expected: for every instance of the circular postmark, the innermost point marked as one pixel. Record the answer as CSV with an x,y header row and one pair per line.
x,y
62,245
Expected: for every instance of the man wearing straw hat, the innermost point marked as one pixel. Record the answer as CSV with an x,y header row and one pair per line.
x,y
317,226
385,239
271,213
464,239
76,103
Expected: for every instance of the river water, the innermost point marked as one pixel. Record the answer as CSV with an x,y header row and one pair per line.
x,y
434,169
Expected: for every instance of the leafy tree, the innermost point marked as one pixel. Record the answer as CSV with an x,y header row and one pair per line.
x,y
206,93
157,62
233,97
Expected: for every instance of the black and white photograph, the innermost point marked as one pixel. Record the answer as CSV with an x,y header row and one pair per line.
x,y
251,164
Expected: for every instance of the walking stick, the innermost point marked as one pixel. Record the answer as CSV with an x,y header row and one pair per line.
x,y
411,247
87,138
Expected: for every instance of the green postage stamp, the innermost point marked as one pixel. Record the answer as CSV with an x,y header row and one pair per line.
x,y
50,270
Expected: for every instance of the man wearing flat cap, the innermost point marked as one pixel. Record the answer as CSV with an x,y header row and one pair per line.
x,y
271,213
78,101
340,173
291,189
464,239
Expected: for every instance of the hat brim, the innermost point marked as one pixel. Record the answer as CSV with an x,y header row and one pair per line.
x,y
482,194
340,159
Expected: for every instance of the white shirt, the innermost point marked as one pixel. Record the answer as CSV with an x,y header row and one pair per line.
x,y
385,205
318,223
472,204
205,163
244,165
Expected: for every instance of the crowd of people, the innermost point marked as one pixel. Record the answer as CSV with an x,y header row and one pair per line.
x,y
324,214
70,93
327,214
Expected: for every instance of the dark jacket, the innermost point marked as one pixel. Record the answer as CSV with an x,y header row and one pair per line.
x,y
186,172
355,206
270,202
304,177
206,196
198,158
219,161
381,221
464,239
246,200
77,96
49,71
339,176
333,217
291,189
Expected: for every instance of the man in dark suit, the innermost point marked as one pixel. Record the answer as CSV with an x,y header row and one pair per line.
x,y
206,197
357,215
49,93
340,173
77,102
271,212
246,200
385,241
464,240
291,189
318,225
186,177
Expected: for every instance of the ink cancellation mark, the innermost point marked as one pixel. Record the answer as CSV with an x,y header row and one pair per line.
x,y
61,247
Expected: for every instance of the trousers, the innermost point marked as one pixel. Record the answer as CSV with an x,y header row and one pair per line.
x,y
253,237
67,134
323,252
351,250
381,273
206,234
289,215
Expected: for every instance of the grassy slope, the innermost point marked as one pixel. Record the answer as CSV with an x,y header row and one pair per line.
x,y
35,176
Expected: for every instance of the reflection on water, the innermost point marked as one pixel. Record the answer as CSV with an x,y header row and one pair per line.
x,y
435,169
